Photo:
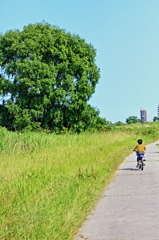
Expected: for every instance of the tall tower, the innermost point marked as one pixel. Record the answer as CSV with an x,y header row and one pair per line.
x,y
143,115
158,110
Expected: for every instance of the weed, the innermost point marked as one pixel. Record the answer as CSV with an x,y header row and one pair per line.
x,y
49,183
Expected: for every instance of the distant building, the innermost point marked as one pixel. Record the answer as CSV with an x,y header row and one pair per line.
x,y
158,110
143,115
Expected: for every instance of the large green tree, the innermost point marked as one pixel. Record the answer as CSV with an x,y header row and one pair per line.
x,y
48,75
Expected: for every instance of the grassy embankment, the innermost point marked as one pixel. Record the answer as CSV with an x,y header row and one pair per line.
x,y
49,183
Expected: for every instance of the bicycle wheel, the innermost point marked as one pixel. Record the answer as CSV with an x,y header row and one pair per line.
x,y
142,166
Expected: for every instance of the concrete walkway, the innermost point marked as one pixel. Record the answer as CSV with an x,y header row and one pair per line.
x,y
129,207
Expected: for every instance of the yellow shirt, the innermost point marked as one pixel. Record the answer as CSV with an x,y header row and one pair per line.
x,y
140,148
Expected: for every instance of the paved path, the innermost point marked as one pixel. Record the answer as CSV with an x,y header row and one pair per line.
x,y
129,207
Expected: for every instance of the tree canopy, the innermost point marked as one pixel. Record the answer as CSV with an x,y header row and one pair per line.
x,y
132,119
155,119
47,76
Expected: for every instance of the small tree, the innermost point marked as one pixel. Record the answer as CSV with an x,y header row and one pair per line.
x,y
119,123
155,118
132,119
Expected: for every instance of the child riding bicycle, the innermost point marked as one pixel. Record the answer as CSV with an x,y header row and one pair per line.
x,y
140,151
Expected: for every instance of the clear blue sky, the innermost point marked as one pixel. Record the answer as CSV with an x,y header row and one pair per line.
x,y
125,34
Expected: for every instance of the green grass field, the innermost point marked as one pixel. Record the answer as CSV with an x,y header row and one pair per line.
x,y
49,183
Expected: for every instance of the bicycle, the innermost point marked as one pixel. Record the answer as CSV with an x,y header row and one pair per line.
x,y
141,163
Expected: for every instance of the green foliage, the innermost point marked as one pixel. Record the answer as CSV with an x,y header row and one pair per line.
x,y
6,119
155,118
3,137
119,123
132,119
49,75
50,183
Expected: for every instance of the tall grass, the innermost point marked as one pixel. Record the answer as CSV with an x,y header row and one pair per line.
x,y
49,183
